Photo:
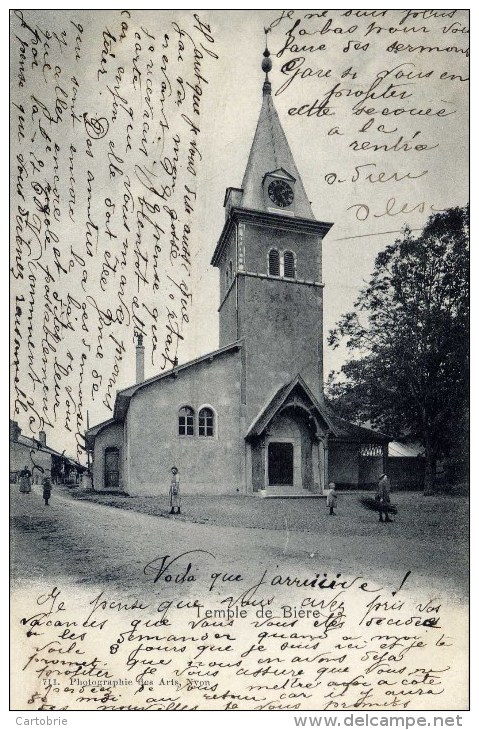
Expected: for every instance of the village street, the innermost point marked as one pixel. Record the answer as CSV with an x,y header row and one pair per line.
x,y
92,583
88,543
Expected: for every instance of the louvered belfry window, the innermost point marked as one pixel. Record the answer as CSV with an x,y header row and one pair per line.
x,y
273,262
289,267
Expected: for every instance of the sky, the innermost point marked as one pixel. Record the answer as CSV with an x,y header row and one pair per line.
x,y
352,244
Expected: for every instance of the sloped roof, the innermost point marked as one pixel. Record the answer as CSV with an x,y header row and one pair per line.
x,y
266,415
92,432
123,397
346,431
270,152
396,449
32,443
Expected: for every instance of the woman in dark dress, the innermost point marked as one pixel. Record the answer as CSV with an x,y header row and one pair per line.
x,y
25,480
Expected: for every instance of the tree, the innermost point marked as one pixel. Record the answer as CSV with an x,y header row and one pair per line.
x,y
408,374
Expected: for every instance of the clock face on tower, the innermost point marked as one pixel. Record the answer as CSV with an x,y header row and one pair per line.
x,y
280,193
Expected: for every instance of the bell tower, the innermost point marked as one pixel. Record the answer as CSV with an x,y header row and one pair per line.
x,y
269,259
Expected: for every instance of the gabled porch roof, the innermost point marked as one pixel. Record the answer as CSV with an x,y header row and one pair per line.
x,y
339,429
270,410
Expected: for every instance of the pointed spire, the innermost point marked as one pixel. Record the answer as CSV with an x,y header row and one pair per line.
x,y
266,65
270,153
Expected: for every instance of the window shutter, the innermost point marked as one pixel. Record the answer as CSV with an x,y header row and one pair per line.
x,y
273,263
289,269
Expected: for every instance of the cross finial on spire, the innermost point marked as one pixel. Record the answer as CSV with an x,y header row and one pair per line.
x,y
266,64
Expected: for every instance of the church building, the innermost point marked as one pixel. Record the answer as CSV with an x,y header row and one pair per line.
x,y
250,417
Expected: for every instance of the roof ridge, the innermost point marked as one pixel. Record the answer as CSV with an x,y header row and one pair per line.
x,y
126,393
188,363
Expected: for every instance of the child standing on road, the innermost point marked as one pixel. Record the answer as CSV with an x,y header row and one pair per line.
x,y
332,498
47,490
175,499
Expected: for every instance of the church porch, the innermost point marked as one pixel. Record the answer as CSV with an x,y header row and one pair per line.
x,y
287,445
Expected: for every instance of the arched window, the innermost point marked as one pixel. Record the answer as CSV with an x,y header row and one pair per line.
x,y
273,262
231,271
186,421
227,278
206,422
289,265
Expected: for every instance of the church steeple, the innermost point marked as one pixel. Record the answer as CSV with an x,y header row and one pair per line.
x,y
269,259
271,159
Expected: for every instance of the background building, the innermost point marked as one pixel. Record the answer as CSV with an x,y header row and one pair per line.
x,y
40,459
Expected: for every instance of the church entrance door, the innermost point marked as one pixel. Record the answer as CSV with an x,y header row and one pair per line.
x,y
280,463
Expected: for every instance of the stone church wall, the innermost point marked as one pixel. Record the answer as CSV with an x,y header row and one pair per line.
x,y
207,465
282,338
258,241
228,318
